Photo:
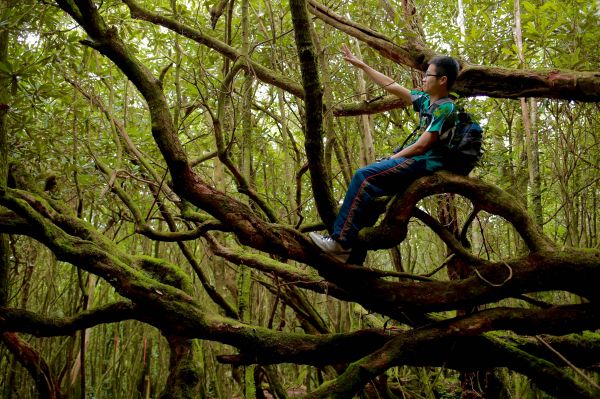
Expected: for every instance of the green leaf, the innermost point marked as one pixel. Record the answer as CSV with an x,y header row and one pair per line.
x,y
6,67
529,7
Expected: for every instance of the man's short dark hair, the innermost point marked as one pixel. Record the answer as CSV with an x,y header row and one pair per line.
x,y
446,66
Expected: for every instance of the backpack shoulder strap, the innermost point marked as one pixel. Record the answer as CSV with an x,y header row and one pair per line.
x,y
449,123
443,100
436,104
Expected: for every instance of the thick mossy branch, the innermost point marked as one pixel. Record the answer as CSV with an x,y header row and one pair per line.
x,y
568,269
583,350
473,80
313,119
11,223
24,321
166,273
546,375
487,197
436,344
290,274
45,382
58,218
93,253
320,351
430,345
448,345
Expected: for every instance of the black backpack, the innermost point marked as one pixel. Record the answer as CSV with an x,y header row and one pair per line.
x,y
461,138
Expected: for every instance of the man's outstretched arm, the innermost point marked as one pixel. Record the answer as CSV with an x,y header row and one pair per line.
x,y
382,80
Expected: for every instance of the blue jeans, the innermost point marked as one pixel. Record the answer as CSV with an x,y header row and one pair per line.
x,y
386,177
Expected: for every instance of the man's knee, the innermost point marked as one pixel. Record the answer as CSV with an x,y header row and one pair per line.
x,y
361,174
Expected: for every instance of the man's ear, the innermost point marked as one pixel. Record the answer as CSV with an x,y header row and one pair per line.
x,y
444,80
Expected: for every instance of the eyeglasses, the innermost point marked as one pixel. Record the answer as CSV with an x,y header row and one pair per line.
x,y
432,74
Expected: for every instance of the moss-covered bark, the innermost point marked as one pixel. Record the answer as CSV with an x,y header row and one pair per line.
x,y
4,88
34,363
184,375
22,351
313,120
162,295
474,79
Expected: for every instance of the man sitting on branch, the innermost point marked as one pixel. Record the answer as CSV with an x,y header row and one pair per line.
x,y
392,175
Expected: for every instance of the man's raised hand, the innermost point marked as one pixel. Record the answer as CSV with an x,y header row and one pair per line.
x,y
351,58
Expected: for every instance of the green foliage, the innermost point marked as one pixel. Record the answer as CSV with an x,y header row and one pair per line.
x,y
55,129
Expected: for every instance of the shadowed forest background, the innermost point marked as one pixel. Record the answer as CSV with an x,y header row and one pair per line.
x,y
161,163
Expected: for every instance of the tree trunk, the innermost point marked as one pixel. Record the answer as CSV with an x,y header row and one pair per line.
x,y
474,383
366,143
533,157
4,101
313,121
531,137
184,377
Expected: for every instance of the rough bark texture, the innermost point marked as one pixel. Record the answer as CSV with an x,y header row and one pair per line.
x,y
37,367
313,121
163,291
184,376
474,79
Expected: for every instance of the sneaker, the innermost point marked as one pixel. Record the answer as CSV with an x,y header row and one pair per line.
x,y
330,246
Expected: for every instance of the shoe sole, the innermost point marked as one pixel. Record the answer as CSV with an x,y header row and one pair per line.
x,y
341,257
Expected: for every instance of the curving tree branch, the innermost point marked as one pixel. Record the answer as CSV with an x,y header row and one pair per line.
x,y
484,196
421,346
313,120
164,292
45,381
23,321
473,80
263,73
569,270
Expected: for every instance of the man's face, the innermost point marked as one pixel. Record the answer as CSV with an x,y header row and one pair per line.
x,y
432,82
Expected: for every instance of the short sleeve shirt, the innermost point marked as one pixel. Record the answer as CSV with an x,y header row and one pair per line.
x,y
421,103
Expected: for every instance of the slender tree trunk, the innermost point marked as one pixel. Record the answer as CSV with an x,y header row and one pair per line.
x,y
247,142
184,375
477,383
178,97
533,157
4,97
313,120
460,21
287,162
245,273
244,310
78,369
564,174
528,112
24,353
366,143
327,98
